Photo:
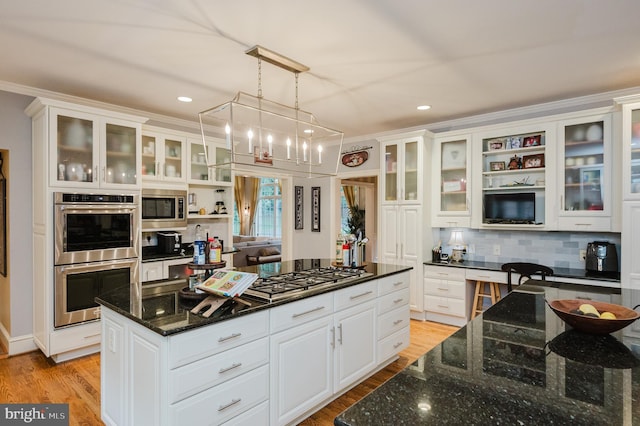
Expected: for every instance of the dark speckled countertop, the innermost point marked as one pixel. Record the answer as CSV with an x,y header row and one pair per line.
x,y
134,308
516,364
557,272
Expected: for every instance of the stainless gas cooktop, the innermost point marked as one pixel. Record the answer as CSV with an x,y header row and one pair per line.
x,y
290,284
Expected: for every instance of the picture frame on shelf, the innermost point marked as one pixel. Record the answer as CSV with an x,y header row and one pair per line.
x,y
533,161
530,141
515,142
496,144
496,166
515,163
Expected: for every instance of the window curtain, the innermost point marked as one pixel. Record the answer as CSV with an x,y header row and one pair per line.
x,y
238,192
349,195
253,202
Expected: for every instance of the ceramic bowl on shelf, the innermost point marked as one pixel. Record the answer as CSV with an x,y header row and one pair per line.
x,y
565,309
594,133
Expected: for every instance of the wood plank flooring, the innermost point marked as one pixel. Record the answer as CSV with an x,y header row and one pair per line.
x,y
32,378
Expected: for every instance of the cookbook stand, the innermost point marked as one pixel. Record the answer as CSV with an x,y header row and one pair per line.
x,y
215,302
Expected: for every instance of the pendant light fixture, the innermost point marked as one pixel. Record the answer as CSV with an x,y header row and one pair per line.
x,y
262,133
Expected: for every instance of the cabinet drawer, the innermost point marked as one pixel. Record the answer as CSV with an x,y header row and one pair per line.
x,y
444,272
445,288
586,295
297,313
151,271
257,416
489,276
391,345
206,341
445,305
206,373
591,224
221,403
392,301
393,321
393,283
354,295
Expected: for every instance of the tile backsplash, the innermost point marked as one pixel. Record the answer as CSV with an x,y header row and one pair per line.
x,y
553,249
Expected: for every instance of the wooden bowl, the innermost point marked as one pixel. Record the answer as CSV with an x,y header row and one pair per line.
x,y
592,325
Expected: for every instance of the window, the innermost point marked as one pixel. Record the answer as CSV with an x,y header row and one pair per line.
x,y
344,212
268,218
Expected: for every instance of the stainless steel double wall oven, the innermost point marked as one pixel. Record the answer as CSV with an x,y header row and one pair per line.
x,y
97,244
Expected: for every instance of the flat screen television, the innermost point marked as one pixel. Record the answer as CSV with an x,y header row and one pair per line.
x,y
516,207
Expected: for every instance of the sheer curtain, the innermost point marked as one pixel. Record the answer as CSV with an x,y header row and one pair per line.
x,y
238,192
349,195
253,201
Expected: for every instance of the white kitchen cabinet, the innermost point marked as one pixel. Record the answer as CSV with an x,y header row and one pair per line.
x,y
90,148
446,295
584,175
513,162
631,148
163,157
402,244
198,172
451,166
402,168
630,253
165,269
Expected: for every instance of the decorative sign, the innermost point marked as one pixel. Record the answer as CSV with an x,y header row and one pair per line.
x,y
355,156
298,221
315,209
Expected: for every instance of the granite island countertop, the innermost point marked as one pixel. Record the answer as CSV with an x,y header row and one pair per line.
x,y
517,363
122,302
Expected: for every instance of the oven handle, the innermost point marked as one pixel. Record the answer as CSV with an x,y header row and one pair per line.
x,y
96,265
115,208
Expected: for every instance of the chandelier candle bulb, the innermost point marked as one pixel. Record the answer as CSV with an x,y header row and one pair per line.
x,y
319,154
250,136
288,149
227,131
270,141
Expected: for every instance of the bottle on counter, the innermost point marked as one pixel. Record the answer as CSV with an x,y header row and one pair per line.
x,y
345,253
199,247
215,250
339,243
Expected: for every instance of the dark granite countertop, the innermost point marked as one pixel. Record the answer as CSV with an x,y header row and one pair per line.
x,y
516,364
134,308
582,274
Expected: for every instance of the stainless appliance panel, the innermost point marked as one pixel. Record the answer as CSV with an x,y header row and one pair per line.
x,y
94,232
164,209
76,287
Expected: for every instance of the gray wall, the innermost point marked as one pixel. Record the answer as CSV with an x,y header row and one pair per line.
x,y
16,138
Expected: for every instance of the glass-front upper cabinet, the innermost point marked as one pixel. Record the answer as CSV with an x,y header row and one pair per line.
x,y
584,174
163,157
199,172
402,176
93,151
451,173
631,150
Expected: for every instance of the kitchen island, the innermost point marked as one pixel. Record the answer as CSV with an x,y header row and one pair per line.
x,y
517,363
273,362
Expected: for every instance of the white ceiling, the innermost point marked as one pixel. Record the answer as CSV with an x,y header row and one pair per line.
x,y
372,61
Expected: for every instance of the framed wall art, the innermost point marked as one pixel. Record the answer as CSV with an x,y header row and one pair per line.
x,y
298,207
3,220
315,209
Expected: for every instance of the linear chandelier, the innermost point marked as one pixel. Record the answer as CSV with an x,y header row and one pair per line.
x,y
266,134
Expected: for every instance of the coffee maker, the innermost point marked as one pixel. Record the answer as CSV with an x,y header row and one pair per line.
x,y
602,256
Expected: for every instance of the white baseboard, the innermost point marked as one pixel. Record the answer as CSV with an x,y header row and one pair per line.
x,y
17,345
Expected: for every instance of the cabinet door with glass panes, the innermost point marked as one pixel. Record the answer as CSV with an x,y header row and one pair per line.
x,y
163,157
199,173
90,151
451,170
514,168
631,151
584,173
402,166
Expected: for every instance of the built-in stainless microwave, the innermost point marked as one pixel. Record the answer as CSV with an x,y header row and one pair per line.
x,y
164,209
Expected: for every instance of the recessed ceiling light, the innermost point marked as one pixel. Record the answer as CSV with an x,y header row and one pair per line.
x,y
184,99
424,107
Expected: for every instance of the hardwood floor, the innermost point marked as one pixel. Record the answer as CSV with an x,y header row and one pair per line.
x,y
32,378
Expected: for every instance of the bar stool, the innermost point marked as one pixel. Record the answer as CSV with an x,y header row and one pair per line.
x,y
481,293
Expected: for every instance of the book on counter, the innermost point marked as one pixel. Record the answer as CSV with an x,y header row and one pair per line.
x,y
228,283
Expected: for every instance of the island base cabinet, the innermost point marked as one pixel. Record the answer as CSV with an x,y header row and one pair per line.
x,y
221,403
301,369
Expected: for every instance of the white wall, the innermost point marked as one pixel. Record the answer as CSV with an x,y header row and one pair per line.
x,y
312,245
16,138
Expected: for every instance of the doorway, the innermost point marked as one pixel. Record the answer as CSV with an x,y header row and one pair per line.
x,y
358,205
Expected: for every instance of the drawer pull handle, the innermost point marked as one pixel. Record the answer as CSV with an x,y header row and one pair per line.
x,y
357,296
319,308
397,283
443,306
92,336
340,333
397,345
235,365
396,322
233,336
582,297
397,301
443,289
233,402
